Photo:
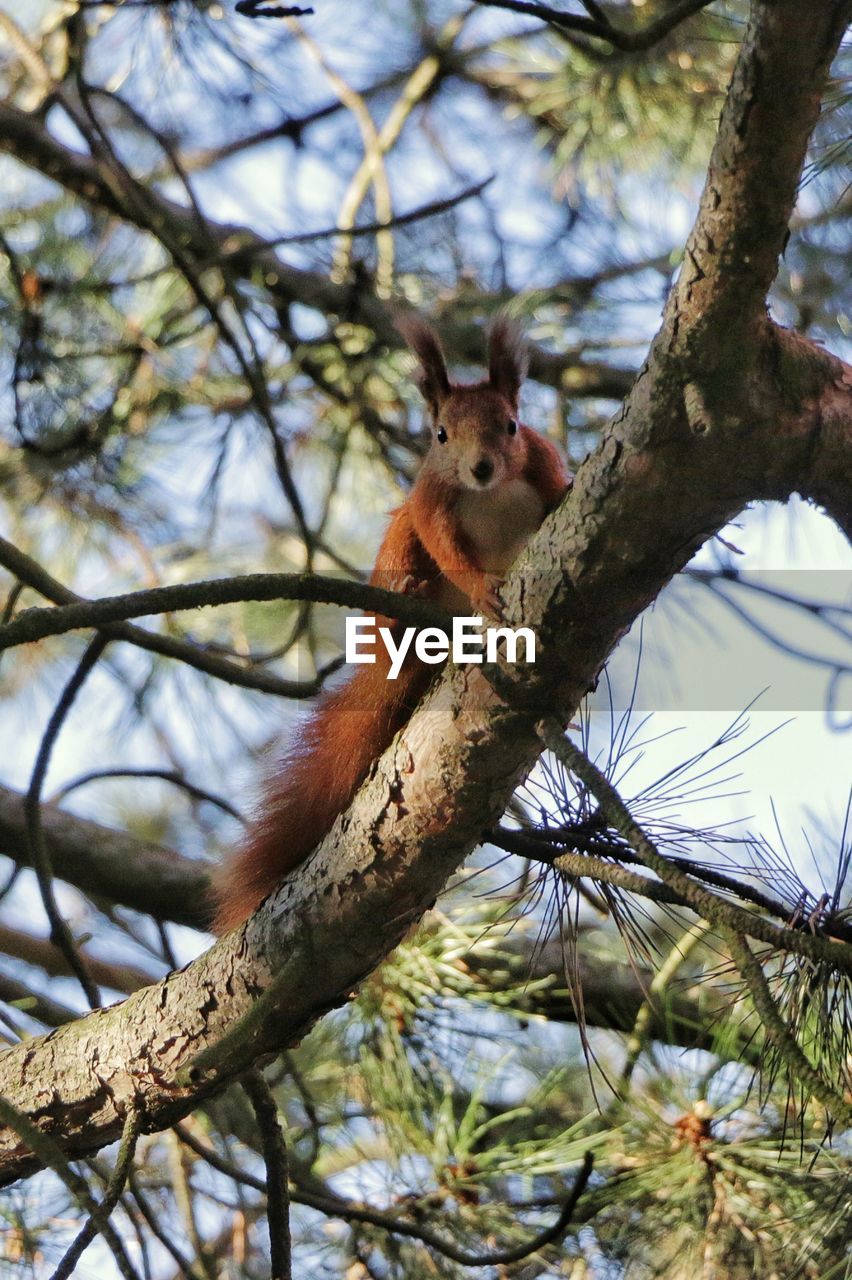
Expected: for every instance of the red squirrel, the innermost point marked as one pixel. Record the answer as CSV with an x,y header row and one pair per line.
x,y
483,489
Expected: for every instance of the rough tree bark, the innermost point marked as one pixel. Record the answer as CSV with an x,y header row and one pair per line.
x,y
727,408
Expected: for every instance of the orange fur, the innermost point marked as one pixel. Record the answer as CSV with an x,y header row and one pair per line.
x,y
315,782
483,488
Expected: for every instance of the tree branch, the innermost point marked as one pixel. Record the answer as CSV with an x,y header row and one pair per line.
x,y
684,887
36,624
778,1032
39,853
111,864
274,1147
24,135
99,1216
731,256
42,953
599,27
26,570
597,562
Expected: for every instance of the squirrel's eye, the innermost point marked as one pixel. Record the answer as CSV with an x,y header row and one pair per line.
x,y
442,435
512,427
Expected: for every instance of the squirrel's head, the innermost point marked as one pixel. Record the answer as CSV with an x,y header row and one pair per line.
x,y
476,440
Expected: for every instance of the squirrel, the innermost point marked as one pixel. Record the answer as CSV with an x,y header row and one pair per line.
x,y
483,489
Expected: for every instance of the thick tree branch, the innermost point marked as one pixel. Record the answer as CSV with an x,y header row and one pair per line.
x,y
772,105
110,864
672,470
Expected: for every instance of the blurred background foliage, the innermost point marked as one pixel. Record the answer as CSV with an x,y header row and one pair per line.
x,y
199,376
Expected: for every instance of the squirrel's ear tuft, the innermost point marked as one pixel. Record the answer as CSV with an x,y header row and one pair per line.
x,y
507,358
432,377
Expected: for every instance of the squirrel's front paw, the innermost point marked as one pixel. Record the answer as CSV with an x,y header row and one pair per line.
x,y
408,585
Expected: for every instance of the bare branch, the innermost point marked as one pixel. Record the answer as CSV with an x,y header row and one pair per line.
x,y
110,864
99,1217
39,853
274,1148
370,228
36,624
51,1157
264,9
598,26
26,570
161,775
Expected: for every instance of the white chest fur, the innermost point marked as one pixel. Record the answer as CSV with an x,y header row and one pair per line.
x,y
500,522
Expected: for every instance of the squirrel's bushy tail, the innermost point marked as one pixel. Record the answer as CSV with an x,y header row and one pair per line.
x,y
349,729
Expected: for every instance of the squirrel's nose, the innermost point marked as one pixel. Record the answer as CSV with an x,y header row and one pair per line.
x,y
483,470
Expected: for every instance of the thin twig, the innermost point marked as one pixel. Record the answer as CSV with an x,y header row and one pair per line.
x,y
335,1206
48,1153
419,214
185,1203
216,1161
627,41
308,1104
186,1265
434,1240
256,9
139,198
96,1221
39,854
163,775
664,975
586,855
371,170
274,1146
